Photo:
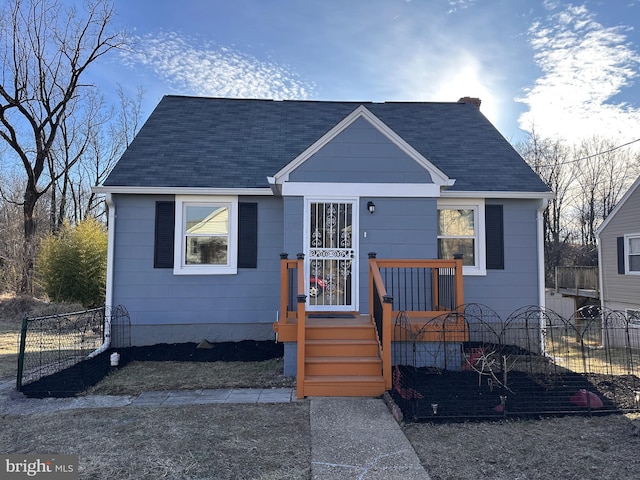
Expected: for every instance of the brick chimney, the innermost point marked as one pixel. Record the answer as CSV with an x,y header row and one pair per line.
x,y
473,100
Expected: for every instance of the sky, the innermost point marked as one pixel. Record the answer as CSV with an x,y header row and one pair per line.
x,y
570,70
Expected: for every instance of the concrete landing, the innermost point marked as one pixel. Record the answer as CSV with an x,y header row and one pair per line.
x,y
357,438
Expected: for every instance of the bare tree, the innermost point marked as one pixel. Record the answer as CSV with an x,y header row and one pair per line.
x,y
549,159
105,148
71,145
45,53
602,173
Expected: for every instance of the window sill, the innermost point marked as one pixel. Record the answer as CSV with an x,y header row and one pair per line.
x,y
205,270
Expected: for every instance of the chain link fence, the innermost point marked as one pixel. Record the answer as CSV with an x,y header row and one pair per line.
x,y
63,354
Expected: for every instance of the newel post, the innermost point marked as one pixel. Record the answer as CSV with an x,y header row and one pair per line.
x,y
302,300
386,339
284,287
459,280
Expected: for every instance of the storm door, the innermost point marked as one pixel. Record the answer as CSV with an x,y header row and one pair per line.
x,y
331,259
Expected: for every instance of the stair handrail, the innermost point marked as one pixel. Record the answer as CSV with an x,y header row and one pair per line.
x,y
380,308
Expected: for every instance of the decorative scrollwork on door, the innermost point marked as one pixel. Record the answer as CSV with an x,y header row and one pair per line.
x,y
331,253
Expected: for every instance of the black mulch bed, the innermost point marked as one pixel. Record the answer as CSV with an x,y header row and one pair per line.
x,y
425,394
77,378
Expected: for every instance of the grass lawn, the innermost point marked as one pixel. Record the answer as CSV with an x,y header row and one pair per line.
x,y
563,448
138,377
268,442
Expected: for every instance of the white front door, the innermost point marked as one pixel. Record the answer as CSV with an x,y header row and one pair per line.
x,y
331,258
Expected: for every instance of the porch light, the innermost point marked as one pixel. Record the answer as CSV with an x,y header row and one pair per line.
x,y
371,206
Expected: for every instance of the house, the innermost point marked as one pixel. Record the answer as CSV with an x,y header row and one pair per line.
x,y
619,256
212,191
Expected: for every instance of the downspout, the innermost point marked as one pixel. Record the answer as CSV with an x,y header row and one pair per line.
x,y
111,229
541,280
600,274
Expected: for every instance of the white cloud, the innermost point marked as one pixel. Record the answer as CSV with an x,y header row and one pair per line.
x,y
212,70
455,4
584,65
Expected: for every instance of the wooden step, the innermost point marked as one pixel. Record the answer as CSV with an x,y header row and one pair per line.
x,y
341,348
341,332
342,358
332,366
344,386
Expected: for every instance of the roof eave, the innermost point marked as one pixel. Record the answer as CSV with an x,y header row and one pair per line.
x,y
523,195
138,190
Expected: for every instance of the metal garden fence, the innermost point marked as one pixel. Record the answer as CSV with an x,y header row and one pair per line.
x,y
62,354
534,363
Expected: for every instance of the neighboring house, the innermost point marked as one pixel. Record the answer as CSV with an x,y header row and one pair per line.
x,y
212,191
619,256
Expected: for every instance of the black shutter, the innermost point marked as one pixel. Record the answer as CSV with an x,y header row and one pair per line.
x,y
164,235
620,241
247,235
494,229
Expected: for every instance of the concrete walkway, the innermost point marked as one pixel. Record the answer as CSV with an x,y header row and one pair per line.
x,y
358,438
351,437
14,403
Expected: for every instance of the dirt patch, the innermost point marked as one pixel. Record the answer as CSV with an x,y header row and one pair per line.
x,y
244,351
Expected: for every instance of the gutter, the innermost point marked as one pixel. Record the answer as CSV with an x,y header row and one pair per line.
x,y
111,229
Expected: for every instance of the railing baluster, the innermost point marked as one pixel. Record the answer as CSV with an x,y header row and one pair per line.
x,y
395,286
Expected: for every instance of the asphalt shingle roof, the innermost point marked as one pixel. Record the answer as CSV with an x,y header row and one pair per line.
x,y
237,143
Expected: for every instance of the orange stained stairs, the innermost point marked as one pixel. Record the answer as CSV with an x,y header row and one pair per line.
x,y
342,358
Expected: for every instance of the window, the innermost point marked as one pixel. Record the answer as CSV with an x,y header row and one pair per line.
x,y
206,235
461,230
632,259
633,316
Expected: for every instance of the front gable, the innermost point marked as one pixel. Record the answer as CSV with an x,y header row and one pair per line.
x,y
362,149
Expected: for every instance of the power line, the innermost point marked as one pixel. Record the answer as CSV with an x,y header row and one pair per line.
x,y
576,160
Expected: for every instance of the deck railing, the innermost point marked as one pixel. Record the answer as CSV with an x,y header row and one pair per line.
x,y
421,288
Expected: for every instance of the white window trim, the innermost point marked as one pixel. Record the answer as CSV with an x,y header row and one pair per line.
x,y
179,265
627,253
477,205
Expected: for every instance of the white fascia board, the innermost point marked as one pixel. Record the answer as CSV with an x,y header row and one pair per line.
x,y
183,191
437,175
618,206
493,194
426,190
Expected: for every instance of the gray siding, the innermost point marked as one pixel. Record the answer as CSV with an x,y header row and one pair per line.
x,y
293,225
168,308
399,228
618,288
517,285
360,154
